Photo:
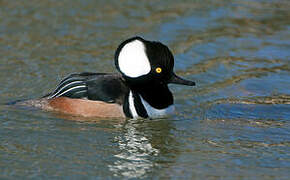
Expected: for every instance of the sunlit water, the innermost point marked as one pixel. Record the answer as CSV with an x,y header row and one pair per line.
x,y
233,124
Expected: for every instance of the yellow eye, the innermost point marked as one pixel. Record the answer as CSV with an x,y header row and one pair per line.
x,y
158,70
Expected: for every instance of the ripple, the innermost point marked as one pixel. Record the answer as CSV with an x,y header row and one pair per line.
x,y
275,99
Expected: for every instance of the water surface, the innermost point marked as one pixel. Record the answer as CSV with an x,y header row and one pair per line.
x,y
233,124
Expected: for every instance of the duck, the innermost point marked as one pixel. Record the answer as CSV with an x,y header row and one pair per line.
x,y
138,90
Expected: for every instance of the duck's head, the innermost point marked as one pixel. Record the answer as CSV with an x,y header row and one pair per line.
x,y
144,62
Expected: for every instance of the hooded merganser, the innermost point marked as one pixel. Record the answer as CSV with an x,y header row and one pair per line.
x,y
140,90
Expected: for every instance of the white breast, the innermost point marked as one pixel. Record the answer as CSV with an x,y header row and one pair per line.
x,y
151,111
156,113
132,106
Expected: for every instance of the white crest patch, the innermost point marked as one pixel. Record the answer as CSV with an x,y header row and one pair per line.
x,y
133,61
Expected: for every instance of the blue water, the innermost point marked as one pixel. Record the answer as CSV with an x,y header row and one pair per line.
x,y
233,125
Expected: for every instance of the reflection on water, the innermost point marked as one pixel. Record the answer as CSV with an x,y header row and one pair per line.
x,y
143,146
234,123
135,152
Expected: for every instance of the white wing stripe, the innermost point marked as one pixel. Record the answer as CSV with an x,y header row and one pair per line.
x,y
69,79
63,82
59,91
76,87
82,91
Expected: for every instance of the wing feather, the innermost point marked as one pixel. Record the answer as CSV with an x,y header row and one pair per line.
x,y
72,86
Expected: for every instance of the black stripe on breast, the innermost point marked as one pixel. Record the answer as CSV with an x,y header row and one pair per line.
x,y
126,107
141,111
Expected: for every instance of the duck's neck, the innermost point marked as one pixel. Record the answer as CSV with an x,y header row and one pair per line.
x,y
152,100
158,96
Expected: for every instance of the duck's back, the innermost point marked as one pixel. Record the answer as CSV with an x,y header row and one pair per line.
x,y
109,88
85,94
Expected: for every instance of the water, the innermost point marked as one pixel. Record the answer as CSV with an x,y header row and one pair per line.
x,y
233,125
